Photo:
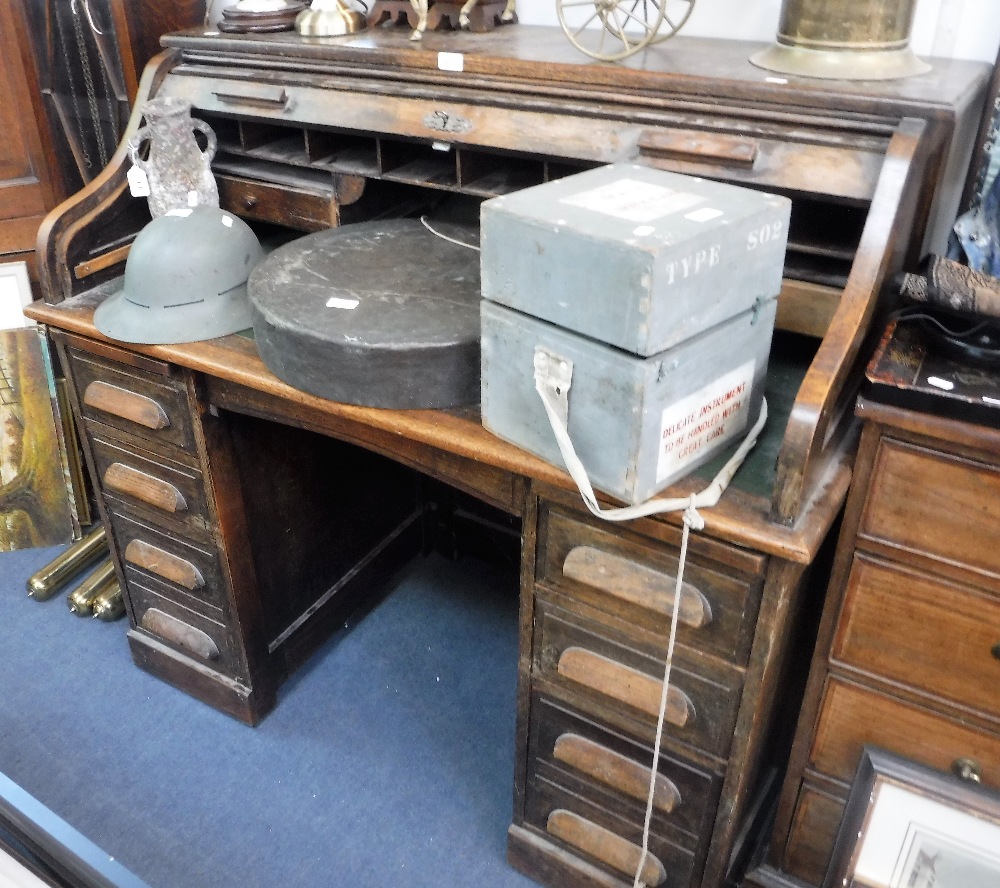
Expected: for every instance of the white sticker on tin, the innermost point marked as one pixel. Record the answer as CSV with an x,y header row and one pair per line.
x,y
705,214
633,200
708,417
341,302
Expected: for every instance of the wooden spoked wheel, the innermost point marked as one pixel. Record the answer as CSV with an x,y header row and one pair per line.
x,y
611,30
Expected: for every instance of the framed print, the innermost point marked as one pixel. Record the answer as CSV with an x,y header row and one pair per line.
x,y
908,826
15,293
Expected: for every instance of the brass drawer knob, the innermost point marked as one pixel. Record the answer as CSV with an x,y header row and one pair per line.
x,y
126,405
967,769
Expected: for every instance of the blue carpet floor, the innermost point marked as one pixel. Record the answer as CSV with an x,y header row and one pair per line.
x,y
387,762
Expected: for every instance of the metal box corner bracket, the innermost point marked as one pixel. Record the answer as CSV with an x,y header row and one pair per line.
x,y
637,423
639,258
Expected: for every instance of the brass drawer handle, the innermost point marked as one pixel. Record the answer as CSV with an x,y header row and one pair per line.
x,y
615,770
624,684
148,488
164,564
604,845
967,769
636,584
126,405
180,633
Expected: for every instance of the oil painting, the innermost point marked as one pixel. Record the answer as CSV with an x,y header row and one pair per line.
x,y
36,508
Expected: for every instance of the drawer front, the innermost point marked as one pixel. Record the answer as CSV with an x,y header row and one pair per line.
x,y
588,830
846,724
955,518
614,680
172,492
934,636
179,569
295,207
190,633
631,578
128,399
813,835
566,742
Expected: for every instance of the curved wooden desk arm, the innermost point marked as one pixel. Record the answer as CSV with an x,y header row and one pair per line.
x,y
66,239
821,406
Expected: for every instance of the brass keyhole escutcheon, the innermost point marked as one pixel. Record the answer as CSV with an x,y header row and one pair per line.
x,y
967,769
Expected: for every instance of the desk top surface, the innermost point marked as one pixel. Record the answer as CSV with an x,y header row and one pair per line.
x,y
524,55
740,517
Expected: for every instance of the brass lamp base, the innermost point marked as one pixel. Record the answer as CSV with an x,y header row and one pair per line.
x,y
849,64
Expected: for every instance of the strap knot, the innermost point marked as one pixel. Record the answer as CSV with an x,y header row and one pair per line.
x,y
692,518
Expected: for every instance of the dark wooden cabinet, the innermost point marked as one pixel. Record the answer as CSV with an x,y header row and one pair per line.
x,y
907,655
229,593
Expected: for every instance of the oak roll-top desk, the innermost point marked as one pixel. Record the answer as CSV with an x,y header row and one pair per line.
x,y
248,516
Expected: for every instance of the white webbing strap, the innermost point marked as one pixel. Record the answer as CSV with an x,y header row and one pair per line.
x,y
553,377
555,408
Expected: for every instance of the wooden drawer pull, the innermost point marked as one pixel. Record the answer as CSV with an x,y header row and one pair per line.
x,y
698,146
604,845
164,564
180,633
126,405
636,584
148,488
627,685
615,770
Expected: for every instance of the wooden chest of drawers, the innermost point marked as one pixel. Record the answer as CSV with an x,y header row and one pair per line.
x,y
908,655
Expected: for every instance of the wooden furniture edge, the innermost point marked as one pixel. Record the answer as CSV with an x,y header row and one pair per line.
x,y
820,403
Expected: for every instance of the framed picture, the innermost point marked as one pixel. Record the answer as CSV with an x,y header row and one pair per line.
x,y
908,826
15,293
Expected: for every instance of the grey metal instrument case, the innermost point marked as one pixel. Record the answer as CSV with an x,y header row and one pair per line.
x,y
632,256
662,367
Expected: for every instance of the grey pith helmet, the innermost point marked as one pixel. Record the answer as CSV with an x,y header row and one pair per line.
x,y
185,280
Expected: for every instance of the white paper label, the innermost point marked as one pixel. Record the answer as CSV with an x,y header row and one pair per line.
x,y
451,61
340,302
633,200
705,214
708,417
138,183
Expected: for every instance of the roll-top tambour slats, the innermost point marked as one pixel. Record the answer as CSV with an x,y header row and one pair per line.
x,y
604,845
636,584
126,405
625,684
164,564
148,488
180,633
615,770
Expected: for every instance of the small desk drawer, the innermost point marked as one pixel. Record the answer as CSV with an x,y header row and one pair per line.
x,y
189,632
566,741
172,492
176,568
813,835
611,678
586,828
941,637
623,575
128,399
269,202
846,723
940,505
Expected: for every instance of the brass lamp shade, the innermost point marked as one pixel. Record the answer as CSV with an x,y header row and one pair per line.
x,y
844,40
